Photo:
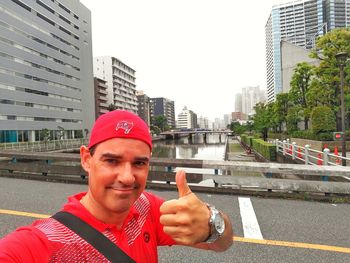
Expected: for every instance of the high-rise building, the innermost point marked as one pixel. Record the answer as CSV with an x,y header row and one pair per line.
x,y
203,123
120,80
299,22
186,119
164,107
143,106
250,97
101,105
46,76
238,102
227,119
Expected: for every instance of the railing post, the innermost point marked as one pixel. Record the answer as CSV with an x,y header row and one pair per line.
x,y
284,147
293,150
306,153
325,156
325,161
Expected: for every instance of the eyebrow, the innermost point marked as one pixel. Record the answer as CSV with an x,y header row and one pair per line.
x,y
117,156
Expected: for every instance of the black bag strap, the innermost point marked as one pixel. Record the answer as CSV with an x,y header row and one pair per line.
x,y
95,238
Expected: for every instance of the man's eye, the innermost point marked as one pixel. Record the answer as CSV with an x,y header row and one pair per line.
x,y
140,163
111,161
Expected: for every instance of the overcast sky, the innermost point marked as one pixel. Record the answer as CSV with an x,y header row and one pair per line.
x,y
198,53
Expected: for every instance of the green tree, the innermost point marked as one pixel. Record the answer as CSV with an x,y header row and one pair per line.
x,y
323,119
293,118
281,106
325,90
300,84
155,129
262,119
237,128
111,107
161,122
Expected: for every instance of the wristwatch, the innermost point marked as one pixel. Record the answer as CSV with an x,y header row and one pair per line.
x,y
216,224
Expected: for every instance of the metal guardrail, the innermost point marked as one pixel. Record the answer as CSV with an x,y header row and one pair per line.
x,y
41,146
308,155
66,167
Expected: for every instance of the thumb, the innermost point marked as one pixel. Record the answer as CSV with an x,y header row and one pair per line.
x,y
181,184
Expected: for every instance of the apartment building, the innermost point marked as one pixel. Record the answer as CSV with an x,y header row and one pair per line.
x,y
46,79
120,79
101,105
143,106
186,119
164,107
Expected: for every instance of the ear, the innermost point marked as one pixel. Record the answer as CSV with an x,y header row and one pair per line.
x,y
85,158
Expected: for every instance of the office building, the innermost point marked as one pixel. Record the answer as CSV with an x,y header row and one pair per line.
x,y
239,116
120,79
46,76
250,97
143,106
186,119
227,119
203,123
164,107
300,23
238,102
101,105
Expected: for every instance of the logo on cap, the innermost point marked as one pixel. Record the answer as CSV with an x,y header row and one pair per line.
x,y
125,125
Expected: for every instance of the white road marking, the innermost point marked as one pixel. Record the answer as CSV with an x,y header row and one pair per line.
x,y
250,224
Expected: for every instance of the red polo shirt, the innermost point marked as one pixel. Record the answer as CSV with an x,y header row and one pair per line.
x,y
47,240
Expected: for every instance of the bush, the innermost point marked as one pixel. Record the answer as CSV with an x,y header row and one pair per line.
x,y
247,139
323,119
265,149
325,136
280,136
310,135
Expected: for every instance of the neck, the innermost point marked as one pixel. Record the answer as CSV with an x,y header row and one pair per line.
x,y
101,213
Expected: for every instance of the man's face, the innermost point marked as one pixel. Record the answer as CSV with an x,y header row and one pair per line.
x,y
118,172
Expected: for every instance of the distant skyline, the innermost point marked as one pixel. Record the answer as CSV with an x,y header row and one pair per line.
x,y
198,53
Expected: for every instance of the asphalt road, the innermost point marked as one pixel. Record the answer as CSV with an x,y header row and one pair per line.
x,y
300,223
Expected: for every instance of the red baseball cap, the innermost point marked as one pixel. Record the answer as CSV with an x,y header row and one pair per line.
x,y
119,124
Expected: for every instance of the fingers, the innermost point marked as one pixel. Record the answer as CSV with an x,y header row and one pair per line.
x,y
169,207
175,220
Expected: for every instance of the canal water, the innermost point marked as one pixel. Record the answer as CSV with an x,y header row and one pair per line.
x,y
213,148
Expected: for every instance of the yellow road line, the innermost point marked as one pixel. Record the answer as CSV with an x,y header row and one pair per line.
x,y
293,244
237,239
18,213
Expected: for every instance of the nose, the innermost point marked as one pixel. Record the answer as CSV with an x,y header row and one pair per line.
x,y
126,175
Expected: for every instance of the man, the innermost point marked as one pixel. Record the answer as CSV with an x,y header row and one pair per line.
x,y
117,162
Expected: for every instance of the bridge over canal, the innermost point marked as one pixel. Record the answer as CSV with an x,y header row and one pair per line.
x,y
175,134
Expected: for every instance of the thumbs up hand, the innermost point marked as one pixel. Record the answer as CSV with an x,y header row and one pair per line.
x,y
185,219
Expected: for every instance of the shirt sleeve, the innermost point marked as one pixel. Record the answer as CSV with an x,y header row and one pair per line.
x,y
26,244
163,238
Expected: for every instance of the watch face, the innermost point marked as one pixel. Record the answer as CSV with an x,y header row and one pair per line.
x,y
219,224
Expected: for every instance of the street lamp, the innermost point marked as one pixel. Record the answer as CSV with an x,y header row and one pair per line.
x,y
341,58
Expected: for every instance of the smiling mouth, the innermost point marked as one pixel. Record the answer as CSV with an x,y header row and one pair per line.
x,y
123,188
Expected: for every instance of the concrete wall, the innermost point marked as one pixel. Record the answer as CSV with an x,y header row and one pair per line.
x,y
291,55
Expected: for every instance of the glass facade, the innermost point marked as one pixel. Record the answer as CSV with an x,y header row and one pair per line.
x,y
300,23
